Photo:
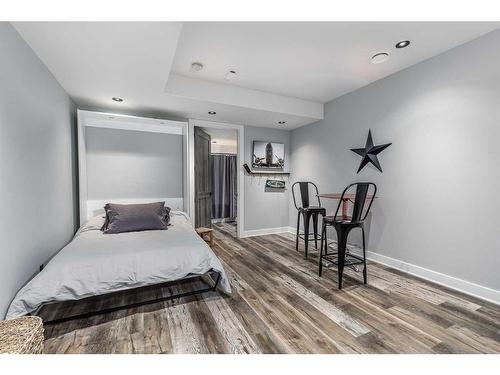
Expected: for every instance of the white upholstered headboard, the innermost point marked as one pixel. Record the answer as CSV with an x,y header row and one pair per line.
x,y
96,207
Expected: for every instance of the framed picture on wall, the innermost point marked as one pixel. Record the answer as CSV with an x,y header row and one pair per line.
x,y
268,155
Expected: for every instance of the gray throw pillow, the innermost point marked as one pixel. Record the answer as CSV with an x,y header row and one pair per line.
x,y
166,216
122,218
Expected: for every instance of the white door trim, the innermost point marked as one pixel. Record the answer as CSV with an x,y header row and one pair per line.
x,y
239,162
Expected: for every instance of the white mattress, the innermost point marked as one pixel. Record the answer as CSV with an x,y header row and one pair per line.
x,y
94,263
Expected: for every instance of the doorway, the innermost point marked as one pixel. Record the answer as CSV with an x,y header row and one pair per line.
x,y
217,177
202,178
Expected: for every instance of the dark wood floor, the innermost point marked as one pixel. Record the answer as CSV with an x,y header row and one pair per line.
x,y
280,305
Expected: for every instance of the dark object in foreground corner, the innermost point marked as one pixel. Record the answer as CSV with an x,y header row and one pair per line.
x,y
21,335
210,288
343,227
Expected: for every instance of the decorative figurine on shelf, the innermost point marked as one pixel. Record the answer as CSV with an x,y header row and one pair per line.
x,y
247,168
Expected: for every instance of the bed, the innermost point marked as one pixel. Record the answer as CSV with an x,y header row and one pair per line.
x,y
95,264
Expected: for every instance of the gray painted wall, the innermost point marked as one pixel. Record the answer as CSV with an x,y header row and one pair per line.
x,y
38,196
438,205
265,210
131,164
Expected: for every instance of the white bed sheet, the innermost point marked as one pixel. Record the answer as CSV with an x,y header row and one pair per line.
x,y
94,263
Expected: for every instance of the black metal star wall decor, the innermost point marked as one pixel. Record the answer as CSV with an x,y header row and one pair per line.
x,y
370,152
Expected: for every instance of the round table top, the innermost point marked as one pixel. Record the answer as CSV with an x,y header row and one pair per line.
x,y
339,195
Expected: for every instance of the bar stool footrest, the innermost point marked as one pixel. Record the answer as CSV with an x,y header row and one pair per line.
x,y
333,258
302,235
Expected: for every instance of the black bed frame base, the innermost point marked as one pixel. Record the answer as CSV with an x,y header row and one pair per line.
x,y
137,304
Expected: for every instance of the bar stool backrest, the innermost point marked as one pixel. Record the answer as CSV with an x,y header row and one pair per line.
x,y
360,199
304,194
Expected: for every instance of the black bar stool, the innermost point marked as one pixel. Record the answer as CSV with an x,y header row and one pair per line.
x,y
343,226
307,211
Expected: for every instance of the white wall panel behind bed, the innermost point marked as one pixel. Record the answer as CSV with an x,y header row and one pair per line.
x,y
126,159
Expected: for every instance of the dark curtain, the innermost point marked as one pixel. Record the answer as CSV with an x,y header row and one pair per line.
x,y
224,188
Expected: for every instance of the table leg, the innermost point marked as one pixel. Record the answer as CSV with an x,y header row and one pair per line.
x,y
345,206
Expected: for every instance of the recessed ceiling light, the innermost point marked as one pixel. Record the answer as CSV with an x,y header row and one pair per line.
x,y
117,99
281,122
403,44
212,112
230,75
196,66
379,58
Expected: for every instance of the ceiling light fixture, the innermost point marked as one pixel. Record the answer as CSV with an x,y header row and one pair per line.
x,y
196,66
212,112
403,44
230,75
281,122
379,58
117,99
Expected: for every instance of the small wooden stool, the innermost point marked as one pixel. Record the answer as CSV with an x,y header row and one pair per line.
x,y
22,335
209,232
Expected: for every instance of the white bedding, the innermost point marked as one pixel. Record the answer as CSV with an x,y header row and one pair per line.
x,y
94,263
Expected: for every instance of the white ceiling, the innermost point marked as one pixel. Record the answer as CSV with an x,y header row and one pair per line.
x,y
316,61
286,71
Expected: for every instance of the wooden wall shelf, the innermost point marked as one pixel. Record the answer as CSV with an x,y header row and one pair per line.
x,y
267,173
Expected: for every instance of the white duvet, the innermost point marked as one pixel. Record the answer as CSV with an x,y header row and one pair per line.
x,y
94,263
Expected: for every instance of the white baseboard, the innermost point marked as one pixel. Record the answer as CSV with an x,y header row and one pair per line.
x,y
475,290
467,287
263,232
